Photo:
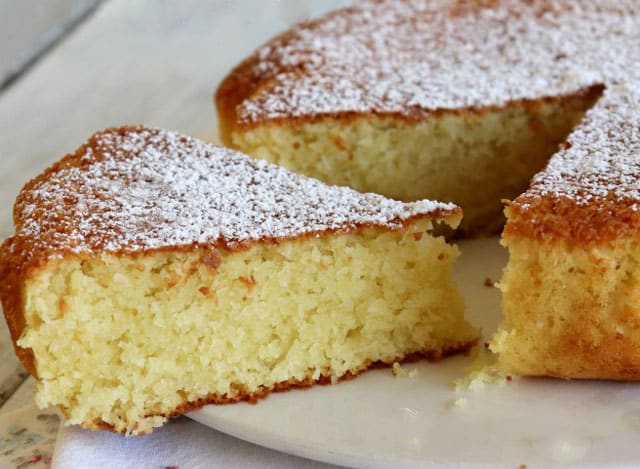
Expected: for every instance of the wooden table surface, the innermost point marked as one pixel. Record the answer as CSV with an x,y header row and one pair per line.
x,y
71,67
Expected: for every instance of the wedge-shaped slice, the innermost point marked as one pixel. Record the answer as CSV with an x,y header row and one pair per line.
x,y
151,274
571,289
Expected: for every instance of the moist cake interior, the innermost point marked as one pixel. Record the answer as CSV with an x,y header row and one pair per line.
x,y
122,340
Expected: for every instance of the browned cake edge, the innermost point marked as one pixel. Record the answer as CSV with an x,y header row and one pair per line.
x,y
263,393
559,218
563,218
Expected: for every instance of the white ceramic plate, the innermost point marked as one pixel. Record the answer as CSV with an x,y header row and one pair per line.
x,y
379,420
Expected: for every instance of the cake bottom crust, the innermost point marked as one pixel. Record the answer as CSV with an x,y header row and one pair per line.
x,y
324,379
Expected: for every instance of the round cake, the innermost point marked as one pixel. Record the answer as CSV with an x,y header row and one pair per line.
x,y
465,101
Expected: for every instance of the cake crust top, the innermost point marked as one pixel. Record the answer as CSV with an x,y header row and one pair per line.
x,y
414,57
590,190
134,189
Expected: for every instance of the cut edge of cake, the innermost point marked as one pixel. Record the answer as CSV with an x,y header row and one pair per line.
x,y
571,288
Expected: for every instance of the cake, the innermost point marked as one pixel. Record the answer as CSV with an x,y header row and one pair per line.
x,y
151,274
571,289
464,101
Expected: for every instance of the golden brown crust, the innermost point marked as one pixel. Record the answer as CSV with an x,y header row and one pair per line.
x,y
345,64
12,275
245,79
562,219
254,397
15,269
547,217
235,88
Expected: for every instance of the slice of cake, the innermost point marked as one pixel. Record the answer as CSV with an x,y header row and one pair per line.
x,y
151,274
571,290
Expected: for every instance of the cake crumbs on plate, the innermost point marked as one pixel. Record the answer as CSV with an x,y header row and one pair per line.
x,y
400,372
488,282
568,451
460,403
482,371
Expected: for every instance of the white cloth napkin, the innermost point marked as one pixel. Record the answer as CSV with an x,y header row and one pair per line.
x,y
180,444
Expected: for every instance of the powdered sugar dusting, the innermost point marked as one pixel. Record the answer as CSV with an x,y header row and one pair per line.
x,y
416,56
602,158
136,188
412,57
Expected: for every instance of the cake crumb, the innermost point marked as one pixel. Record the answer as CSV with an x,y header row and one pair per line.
x,y
481,372
488,282
460,403
522,466
172,282
565,451
339,143
400,372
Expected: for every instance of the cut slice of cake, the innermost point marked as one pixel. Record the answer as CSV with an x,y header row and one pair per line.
x,y
151,274
571,289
